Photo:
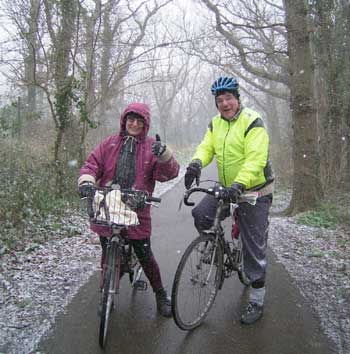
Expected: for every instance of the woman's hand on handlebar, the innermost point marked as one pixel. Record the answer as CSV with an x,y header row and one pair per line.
x,y
86,189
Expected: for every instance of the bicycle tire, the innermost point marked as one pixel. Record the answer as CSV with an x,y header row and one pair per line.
x,y
108,292
197,281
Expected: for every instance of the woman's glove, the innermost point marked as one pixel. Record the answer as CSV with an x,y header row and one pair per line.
x,y
193,172
158,148
86,189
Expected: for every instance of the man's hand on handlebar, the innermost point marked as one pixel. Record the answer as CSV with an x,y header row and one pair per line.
x,y
221,192
228,195
231,194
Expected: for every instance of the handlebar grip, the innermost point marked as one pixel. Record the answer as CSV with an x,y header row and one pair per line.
x,y
188,203
153,199
186,196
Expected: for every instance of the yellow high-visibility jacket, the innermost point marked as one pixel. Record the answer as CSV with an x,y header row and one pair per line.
x,y
240,147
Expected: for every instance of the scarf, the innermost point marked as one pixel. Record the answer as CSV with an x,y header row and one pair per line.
x,y
125,171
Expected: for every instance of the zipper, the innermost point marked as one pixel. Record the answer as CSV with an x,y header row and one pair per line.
x,y
223,153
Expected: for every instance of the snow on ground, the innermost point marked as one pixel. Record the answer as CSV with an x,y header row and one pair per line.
x,y
37,284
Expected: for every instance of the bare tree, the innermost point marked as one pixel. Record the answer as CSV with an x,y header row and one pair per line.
x,y
116,30
79,59
257,38
168,79
253,44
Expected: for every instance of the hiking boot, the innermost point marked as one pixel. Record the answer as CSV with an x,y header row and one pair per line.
x,y
252,313
163,303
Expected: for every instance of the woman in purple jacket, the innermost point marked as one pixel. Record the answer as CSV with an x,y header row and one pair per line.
x,y
133,160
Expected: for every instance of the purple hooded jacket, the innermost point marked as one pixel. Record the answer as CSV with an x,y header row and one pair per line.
x,y
100,168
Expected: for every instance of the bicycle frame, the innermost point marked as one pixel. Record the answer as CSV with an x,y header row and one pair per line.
x,y
233,262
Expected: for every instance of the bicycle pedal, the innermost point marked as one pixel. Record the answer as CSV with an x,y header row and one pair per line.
x,y
140,285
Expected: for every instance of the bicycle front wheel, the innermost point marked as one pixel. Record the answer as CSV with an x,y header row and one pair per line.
x,y
197,280
110,281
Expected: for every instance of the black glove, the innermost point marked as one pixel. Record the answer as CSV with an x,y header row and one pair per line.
x,y
235,191
158,148
86,189
193,171
222,193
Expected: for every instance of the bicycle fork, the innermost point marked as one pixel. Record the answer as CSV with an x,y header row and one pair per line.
x,y
112,264
209,255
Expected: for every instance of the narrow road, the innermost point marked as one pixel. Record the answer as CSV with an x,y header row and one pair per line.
x,y
288,326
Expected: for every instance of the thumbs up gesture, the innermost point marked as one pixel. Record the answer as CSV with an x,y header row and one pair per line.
x,y
158,148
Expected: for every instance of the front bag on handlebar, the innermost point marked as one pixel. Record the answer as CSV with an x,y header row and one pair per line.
x,y
109,208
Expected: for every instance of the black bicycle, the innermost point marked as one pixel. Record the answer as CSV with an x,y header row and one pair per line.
x,y
115,208
207,261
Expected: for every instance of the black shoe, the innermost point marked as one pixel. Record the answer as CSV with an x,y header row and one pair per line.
x,y
163,303
252,313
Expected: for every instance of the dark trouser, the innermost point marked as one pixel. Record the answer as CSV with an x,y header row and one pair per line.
x,y
145,256
253,225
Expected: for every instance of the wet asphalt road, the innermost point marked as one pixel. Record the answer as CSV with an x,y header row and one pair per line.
x,y
288,326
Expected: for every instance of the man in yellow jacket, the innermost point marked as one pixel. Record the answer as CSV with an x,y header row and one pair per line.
x,y
238,139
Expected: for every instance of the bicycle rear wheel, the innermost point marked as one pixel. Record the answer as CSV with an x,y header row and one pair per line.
x,y
197,280
111,278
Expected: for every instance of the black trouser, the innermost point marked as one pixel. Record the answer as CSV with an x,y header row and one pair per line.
x,y
146,258
253,224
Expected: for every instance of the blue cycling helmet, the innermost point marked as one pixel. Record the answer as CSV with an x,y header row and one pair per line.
x,y
225,83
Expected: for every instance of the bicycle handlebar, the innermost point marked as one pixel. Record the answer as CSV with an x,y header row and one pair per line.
x,y
141,196
248,197
187,194
153,199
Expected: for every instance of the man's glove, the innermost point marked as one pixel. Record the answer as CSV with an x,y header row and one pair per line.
x,y
86,189
158,148
235,191
230,194
193,172
222,193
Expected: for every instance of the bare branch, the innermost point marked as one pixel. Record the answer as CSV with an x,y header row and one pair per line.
x,y
229,36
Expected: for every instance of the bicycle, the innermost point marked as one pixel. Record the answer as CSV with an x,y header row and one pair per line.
x,y
206,263
115,208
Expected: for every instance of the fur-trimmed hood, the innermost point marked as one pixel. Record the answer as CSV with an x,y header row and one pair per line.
x,y
140,108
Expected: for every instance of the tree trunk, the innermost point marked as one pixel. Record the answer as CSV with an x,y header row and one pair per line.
x,y
326,92
306,179
63,81
30,66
